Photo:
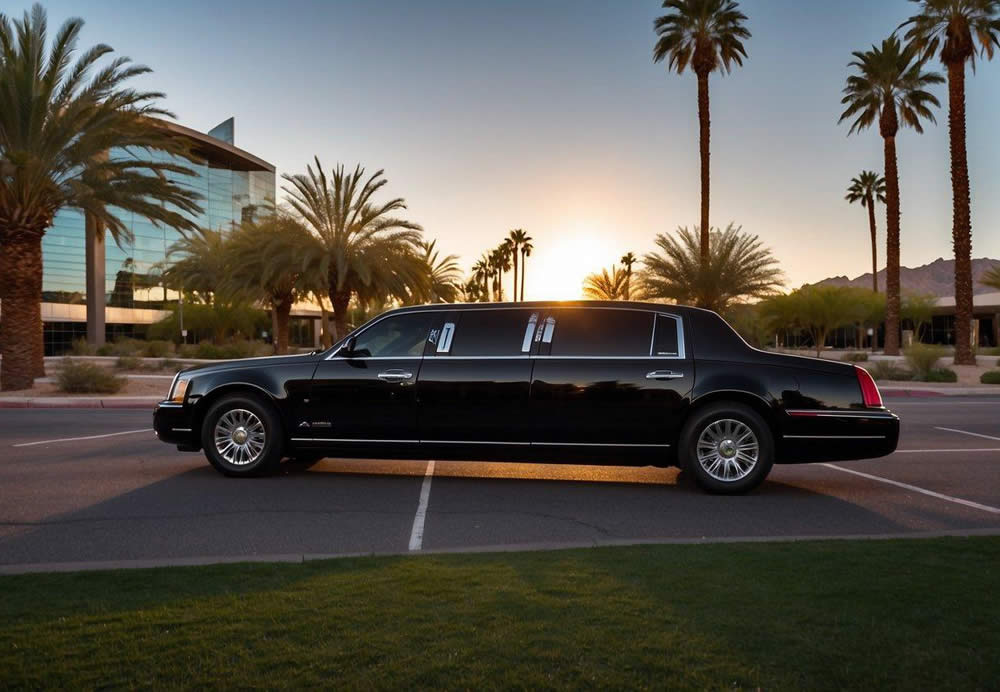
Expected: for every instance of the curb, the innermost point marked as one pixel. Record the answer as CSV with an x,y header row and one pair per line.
x,y
82,402
890,392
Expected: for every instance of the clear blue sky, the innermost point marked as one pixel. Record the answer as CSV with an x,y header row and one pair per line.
x,y
551,116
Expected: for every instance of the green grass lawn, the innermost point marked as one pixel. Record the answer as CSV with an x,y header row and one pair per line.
x,y
911,614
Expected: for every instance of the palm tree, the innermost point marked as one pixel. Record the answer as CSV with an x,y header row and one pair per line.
x,y
868,188
201,263
739,267
63,132
956,26
266,262
363,251
605,286
516,239
482,272
889,87
500,258
526,248
443,273
708,35
628,259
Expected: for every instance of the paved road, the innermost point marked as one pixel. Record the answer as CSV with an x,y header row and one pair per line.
x,y
129,497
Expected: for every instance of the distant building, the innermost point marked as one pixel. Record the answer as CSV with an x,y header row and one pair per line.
x,y
125,281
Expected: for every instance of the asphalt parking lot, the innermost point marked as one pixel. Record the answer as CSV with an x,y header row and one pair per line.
x,y
85,488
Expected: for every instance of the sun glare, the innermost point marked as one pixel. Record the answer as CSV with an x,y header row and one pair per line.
x,y
557,271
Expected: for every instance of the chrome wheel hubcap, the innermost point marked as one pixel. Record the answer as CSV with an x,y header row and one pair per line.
x,y
239,437
728,450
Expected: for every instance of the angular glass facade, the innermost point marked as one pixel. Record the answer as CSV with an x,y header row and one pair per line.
x,y
232,184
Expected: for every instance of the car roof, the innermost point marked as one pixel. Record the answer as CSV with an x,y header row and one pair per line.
x,y
543,304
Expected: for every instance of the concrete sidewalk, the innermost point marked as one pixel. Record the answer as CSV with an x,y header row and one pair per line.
x,y
924,389
141,402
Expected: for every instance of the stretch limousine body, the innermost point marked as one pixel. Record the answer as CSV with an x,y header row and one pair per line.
x,y
597,382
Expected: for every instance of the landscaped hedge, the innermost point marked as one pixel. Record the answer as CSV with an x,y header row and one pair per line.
x,y
990,377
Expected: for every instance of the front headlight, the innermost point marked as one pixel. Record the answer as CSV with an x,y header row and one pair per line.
x,y
177,390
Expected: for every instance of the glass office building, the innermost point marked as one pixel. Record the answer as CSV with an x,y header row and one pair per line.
x,y
233,184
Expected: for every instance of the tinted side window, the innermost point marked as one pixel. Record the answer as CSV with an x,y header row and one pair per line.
x,y
667,340
602,332
490,332
394,337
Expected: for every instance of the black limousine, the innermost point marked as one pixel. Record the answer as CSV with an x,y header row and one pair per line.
x,y
587,382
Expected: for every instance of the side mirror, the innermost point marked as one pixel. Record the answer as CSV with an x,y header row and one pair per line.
x,y
347,350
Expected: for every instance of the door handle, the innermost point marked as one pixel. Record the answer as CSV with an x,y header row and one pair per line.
x,y
664,375
395,375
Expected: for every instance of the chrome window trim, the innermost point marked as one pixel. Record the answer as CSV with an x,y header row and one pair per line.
x,y
528,331
447,334
679,321
610,357
550,328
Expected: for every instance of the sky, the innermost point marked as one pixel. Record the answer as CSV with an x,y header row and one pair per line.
x,y
552,117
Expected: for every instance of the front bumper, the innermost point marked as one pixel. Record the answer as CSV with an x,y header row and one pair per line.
x,y
174,425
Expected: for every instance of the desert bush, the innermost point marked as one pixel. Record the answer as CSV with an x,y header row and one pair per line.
x,y
856,357
157,348
87,378
922,358
104,350
990,377
80,347
887,370
128,363
941,375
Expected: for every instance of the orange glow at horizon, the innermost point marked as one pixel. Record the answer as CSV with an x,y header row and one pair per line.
x,y
557,269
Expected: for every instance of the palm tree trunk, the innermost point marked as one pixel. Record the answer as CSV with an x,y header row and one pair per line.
x,y
962,216
340,300
20,300
524,270
281,310
871,226
514,257
892,249
704,125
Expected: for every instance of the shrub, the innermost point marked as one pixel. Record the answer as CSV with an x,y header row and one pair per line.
x,y
887,370
990,377
941,375
104,350
126,347
922,359
157,348
128,363
87,378
170,364
856,357
80,347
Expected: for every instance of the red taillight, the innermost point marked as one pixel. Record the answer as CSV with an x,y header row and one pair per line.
x,y
869,390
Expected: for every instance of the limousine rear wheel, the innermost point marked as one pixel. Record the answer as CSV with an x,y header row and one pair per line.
x,y
727,447
242,436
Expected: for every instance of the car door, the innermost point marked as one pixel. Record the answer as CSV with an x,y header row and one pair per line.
x,y
473,386
610,377
368,393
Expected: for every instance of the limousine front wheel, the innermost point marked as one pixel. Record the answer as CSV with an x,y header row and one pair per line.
x,y
728,448
242,436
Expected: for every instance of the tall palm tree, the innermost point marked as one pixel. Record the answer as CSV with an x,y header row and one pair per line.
x,y
443,273
63,129
197,263
707,35
868,188
266,262
628,259
739,267
516,239
605,286
526,248
889,87
362,250
500,258
482,272
958,28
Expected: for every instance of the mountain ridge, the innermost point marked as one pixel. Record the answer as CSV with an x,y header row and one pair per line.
x,y
937,278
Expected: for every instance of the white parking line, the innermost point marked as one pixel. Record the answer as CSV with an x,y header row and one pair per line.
x,y
928,451
88,437
417,533
966,432
924,491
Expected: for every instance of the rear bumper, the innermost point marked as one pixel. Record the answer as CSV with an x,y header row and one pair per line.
x,y
173,424
814,436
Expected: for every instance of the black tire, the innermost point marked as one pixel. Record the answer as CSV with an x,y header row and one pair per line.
x,y
264,462
726,416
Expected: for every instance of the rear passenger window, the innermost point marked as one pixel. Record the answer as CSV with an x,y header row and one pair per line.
x,y
667,341
491,333
602,332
